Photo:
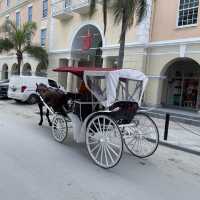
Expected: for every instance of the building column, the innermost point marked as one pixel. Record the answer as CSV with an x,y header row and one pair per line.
x,y
62,79
75,78
105,61
70,76
62,76
153,93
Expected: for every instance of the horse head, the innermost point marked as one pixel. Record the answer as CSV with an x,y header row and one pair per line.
x,y
41,88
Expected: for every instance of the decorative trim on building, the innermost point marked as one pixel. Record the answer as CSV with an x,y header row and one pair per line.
x,y
128,45
110,47
164,53
156,77
29,5
183,49
18,5
59,51
175,42
14,56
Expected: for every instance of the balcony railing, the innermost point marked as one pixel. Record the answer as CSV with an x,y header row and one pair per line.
x,y
64,9
81,6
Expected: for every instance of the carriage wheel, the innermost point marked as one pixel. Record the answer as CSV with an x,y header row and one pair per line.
x,y
104,141
59,128
142,137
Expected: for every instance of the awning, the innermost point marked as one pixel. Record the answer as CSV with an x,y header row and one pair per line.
x,y
79,71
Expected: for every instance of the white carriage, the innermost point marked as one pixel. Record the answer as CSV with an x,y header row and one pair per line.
x,y
111,118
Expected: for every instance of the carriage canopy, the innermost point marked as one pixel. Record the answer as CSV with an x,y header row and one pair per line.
x,y
118,85
109,85
79,71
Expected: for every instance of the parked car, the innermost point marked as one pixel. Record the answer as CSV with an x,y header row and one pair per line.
x,y
4,88
23,88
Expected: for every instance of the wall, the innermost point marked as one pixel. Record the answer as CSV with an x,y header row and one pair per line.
x,y
164,22
22,6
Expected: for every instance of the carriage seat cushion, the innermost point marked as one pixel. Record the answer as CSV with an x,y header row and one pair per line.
x,y
123,111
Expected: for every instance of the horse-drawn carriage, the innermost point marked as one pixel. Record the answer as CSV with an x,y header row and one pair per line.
x,y
110,118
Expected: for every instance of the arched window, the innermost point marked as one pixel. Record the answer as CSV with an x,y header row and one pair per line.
x,y
41,70
4,73
181,89
26,71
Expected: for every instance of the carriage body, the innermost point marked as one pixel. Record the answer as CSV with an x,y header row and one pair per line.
x,y
106,121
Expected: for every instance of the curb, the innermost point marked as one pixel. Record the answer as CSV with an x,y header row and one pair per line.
x,y
181,148
173,118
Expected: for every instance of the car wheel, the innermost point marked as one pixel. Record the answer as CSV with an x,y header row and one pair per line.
x,y
32,99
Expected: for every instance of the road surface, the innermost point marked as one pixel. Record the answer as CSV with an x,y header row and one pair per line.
x,y
35,167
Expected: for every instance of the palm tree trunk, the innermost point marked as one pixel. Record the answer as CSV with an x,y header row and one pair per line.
x,y
122,41
19,61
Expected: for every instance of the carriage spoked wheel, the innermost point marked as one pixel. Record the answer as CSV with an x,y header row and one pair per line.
x,y
104,141
142,137
59,128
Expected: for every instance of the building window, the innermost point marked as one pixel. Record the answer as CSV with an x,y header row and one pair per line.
x,y
17,19
30,13
7,3
44,8
188,12
43,37
67,3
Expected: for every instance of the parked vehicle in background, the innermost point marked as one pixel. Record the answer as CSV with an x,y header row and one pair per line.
x,y
4,88
23,88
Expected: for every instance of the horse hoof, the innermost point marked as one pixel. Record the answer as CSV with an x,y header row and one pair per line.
x,y
40,124
50,124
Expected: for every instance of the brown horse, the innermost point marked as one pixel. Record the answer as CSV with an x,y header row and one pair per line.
x,y
55,99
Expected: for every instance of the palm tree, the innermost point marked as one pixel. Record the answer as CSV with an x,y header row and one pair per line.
x,y
18,39
105,3
126,13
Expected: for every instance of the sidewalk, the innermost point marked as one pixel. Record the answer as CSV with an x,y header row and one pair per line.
x,y
176,115
184,128
180,135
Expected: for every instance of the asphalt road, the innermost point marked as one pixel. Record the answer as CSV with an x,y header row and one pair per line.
x,y
35,167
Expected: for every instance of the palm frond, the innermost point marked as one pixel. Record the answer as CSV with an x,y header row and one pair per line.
x,y
118,8
8,26
141,10
5,45
18,39
28,30
29,27
19,36
37,52
135,10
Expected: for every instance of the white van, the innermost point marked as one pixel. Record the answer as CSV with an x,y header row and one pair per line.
x,y
23,88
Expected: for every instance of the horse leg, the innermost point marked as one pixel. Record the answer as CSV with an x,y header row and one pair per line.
x,y
41,113
48,119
